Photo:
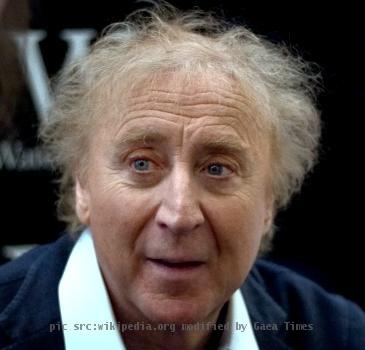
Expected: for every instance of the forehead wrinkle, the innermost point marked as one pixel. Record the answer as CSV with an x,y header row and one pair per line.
x,y
214,94
170,116
123,122
194,110
178,99
126,136
166,105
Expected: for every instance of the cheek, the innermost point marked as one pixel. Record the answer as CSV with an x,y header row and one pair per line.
x,y
117,207
116,220
117,216
238,228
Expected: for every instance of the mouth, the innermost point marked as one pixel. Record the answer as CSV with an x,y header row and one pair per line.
x,y
179,265
176,270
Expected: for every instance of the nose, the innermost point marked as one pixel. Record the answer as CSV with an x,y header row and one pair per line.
x,y
180,211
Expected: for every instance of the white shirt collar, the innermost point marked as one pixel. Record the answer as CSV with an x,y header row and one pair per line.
x,y
240,334
87,317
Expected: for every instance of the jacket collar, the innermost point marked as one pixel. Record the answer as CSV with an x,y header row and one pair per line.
x,y
35,305
266,314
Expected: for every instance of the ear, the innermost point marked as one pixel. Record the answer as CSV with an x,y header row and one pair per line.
x,y
268,219
269,212
82,198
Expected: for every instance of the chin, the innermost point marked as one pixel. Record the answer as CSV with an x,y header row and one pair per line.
x,y
178,311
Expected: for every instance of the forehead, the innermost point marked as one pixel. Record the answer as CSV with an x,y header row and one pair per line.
x,y
195,94
208,105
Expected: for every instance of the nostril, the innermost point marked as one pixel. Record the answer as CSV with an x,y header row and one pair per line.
x,y
180,226
179,219
162,225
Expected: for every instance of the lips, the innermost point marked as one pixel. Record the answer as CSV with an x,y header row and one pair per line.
x,y
175,270
182,264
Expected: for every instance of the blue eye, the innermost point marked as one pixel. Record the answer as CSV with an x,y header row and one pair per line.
x,y
141,164
217,169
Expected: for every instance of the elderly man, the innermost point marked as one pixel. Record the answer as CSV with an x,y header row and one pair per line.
x,y
178,139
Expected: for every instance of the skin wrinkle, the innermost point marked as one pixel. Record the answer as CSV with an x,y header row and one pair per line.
x,y
235,127
172,115
191,98
256,124
150,136
182,133
180,104
216,92
247,106
129,117
184,105
182,112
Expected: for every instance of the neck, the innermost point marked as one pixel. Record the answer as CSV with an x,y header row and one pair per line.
x,y
166,340
198,336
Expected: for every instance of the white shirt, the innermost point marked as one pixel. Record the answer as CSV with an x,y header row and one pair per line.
x,y
87,316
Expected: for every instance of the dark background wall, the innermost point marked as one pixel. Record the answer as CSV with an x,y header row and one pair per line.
x,y
321,234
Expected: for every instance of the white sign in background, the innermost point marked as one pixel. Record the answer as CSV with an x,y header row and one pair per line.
x,y
13,155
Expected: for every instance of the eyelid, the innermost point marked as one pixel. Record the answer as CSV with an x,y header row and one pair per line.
x,y
135,150
141,153
224,160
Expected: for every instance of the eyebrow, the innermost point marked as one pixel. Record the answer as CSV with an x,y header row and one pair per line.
x,y
223,146
149,136
228,147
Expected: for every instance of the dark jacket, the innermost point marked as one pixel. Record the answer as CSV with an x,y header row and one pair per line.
x,y
287,310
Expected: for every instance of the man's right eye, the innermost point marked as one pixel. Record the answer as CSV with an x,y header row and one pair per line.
x,y
141,164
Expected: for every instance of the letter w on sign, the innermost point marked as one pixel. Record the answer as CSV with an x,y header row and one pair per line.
x,y
27,42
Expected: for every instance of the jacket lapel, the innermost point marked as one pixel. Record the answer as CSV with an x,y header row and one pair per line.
x,y
29,317
267,316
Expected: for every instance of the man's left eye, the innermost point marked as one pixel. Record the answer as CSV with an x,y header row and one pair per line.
x,y
141,164
217,169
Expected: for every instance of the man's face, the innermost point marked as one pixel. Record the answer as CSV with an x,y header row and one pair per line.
x,y
177,198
